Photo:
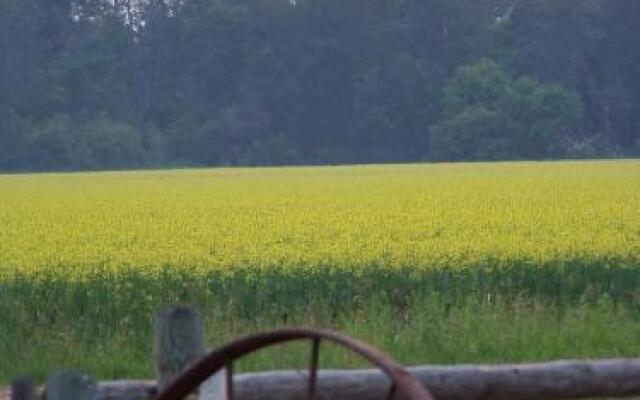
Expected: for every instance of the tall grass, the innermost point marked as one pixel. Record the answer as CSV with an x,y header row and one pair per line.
x,y
103,324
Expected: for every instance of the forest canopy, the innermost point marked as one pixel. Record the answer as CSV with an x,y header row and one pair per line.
x,y
97,84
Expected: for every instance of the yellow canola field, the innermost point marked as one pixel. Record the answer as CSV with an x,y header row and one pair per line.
x,y
316,217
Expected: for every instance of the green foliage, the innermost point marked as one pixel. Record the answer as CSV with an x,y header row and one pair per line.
x,y
104,143
52,143
13,139
391,108
482,84
99,143
276,149
594,147
212,82
189,141
475,133
491,115
103,325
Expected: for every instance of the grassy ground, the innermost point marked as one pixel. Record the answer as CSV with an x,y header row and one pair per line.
x,y
103,326
432,263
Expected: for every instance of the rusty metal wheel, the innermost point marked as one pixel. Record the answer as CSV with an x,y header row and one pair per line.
x,y
222,358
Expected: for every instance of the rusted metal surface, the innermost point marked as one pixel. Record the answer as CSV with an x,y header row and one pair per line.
x,y
313,370
23,388
403,382
392,392
229,378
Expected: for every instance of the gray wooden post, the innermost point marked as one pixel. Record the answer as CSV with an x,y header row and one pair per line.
x,y
179,341
215,388
23,388
66,385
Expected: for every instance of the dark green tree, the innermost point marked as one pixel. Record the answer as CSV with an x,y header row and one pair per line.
x,y
488,114
211,82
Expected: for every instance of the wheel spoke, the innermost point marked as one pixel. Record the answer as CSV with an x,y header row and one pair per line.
x,y
392,391
229,378
313,369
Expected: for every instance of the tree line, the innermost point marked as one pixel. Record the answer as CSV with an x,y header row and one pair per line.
x,y
92,84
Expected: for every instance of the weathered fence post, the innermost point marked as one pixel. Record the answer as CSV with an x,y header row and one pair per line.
x,y
66,385
179,341
23,388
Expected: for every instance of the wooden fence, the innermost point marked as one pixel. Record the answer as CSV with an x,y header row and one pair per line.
x,y
179,341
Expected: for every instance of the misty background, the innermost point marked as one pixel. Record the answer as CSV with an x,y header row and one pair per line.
x,y
102,84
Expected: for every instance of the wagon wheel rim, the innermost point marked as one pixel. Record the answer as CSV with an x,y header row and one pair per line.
x,y
223,358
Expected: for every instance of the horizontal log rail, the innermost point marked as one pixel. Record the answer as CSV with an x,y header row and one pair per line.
x,y
551,380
